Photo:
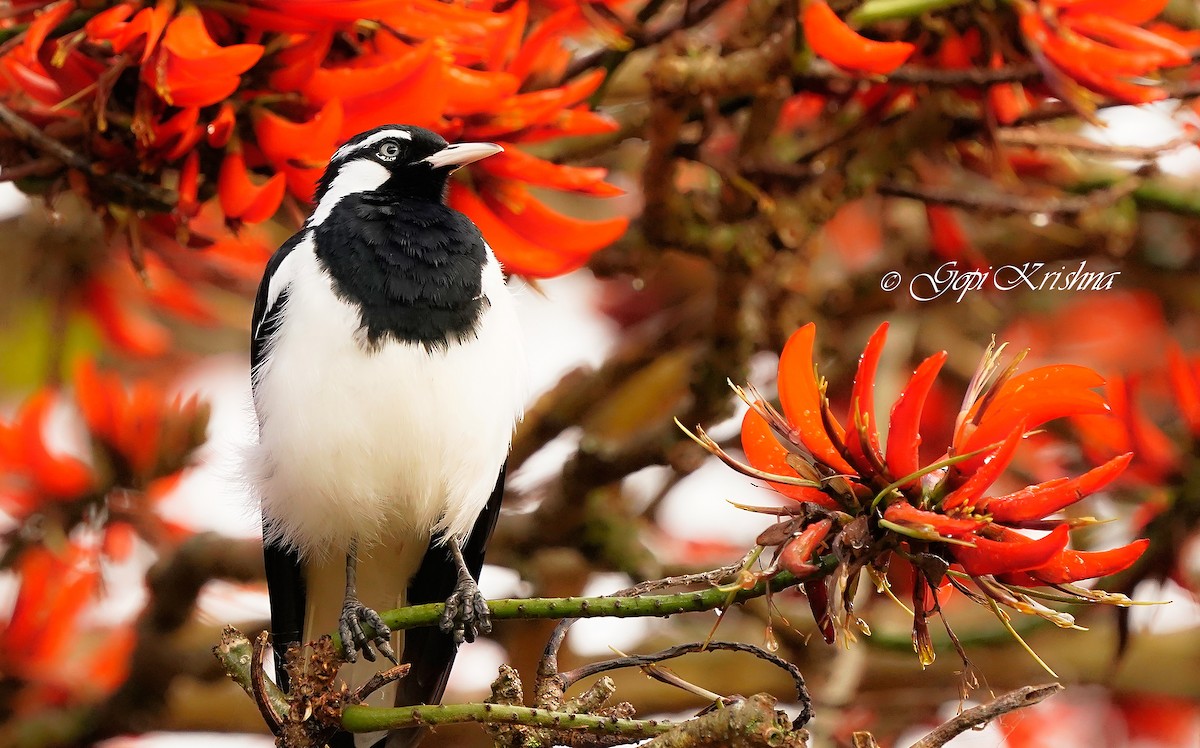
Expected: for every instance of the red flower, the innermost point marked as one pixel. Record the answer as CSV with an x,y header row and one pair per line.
x,y
288,97
889,503
143,433
831,38
30,473
1101,46
40,644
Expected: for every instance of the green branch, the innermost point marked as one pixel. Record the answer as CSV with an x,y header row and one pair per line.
x,y
359,719
601,607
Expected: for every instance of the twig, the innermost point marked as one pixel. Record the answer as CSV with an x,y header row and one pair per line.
x,y
1038,137
595,668
372,719
1009,702
1006,204
149,196
381,679
35,168
548,680
819,70
258,685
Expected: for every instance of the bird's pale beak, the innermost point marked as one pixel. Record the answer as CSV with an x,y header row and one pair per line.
x,y
461,154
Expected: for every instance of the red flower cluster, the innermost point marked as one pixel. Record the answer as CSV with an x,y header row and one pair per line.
x,y
140,442
1166,458
245,102
1103,46
44,660
864,505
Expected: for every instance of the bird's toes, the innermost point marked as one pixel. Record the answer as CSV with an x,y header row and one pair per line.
x,y
355,639
347,636
466,613
483,616
383,633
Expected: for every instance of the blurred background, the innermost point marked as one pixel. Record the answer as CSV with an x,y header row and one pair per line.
x,y
685,183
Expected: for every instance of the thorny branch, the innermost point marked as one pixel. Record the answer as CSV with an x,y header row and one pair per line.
x,y
1009,702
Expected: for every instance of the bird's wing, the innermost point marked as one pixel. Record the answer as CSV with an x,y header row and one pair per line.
x,y
285,577
429,650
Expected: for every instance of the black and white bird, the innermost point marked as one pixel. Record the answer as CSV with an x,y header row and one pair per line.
x,y
387,376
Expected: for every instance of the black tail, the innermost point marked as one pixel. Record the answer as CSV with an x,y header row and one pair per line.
x,y
430,651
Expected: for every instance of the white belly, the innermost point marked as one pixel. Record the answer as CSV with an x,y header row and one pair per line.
x,y
380,445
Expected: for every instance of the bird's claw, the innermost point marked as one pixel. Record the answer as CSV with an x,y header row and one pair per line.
x,y
466,612
354,639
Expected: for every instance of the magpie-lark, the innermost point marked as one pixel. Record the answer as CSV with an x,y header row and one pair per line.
x,y
387,377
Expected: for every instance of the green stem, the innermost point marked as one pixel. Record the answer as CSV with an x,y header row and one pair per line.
x,y
361,719
874,11
602,607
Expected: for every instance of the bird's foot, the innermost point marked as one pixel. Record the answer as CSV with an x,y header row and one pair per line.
x,y
354,639
466,612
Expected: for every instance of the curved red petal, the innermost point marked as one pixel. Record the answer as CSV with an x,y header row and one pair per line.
x,y
517,254
830,37
41,26
796,555
312,142
419,99
903,513
476,91
353,82
1073,566
764,452
987,468
802,401
1036,502
1017,553
1035,397
863,445
125,329
1185,387
904,438
530,218
519,166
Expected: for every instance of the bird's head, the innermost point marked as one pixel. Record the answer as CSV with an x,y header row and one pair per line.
x,y
399,160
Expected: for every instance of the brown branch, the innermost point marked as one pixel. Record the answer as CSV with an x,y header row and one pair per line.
x,y
571,677
1008,204
145,195
821,71
743,724
711,73
1009,702
38,167
258,685
174,584
1040,138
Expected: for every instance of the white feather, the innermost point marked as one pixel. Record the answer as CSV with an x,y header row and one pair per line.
x,y
371,140
380,445
360,175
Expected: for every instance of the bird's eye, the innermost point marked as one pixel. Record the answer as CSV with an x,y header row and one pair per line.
x,y
389,151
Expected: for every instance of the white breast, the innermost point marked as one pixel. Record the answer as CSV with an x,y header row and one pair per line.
x,y
382,444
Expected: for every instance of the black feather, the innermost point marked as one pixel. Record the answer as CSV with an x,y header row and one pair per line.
x,y
285,576
429,650
414,268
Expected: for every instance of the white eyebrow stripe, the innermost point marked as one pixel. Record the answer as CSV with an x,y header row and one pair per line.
x,y
368,141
